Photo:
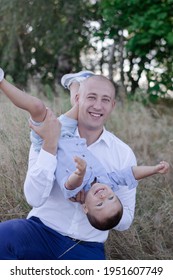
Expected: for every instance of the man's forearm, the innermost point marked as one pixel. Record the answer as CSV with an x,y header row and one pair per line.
x,y
40,177
50,146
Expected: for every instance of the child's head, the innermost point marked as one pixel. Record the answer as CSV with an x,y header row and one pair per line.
x,y
102,207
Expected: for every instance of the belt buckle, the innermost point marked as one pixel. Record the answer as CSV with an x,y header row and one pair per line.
x,y
74,239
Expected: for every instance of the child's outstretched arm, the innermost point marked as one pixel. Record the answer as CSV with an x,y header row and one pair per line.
x,y
27,102
141,172
76,178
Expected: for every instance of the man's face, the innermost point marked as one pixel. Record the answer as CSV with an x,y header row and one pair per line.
x,y
96,102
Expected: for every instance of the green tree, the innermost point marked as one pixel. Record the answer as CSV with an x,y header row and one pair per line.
x,y
147,43
43,37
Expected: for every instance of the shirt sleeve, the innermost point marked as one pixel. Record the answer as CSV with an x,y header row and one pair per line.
x,y
40,177
124,177
86,184
68,126
36,140
127,196
70,193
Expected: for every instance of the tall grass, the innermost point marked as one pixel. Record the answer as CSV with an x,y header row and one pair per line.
x,y
148,131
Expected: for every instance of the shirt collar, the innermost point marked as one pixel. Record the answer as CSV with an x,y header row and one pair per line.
x,y
103,137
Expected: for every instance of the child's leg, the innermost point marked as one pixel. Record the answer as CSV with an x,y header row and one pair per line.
x,y
74,88
73,112
72,82
68,126
69,122
29,103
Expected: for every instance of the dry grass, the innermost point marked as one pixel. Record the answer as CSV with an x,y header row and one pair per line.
x,y
148,131
14,146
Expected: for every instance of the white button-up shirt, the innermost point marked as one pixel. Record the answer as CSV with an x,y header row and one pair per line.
x,y
45,196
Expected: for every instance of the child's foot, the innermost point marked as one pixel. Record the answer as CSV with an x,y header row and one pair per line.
x,y
67,79
1,74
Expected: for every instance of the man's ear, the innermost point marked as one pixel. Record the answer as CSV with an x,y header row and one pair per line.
x,y
77,97
85,209
113,104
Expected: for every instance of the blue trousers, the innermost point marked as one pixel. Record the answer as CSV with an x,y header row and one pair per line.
x,y
30,239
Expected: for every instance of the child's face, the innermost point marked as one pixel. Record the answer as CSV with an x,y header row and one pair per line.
x,y
101,201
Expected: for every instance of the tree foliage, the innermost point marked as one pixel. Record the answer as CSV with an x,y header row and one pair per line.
x,y
50,38
148,41
40,36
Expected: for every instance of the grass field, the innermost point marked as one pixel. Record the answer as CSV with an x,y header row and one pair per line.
x,y
148,130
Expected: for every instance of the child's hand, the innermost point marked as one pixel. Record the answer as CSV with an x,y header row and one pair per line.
x,y
162,167
80,166
76,178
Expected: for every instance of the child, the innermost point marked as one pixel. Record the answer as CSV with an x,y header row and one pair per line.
x,y
102,206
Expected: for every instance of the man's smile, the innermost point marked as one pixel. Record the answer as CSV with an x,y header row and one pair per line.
x,y
95,115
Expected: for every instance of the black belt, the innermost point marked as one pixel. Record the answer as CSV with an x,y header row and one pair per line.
x,y
82,241
75,240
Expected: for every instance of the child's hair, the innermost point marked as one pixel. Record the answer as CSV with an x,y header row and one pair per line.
x,y
107,223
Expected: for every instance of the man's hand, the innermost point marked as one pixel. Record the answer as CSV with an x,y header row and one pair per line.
x,y
49,131
80,197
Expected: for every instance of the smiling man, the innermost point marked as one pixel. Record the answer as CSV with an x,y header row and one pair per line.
x,y
96,102
57,228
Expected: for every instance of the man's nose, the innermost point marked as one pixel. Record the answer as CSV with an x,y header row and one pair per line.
x,y
97,104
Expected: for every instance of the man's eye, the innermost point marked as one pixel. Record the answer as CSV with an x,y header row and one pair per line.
x,y
110,198
91,97
106,100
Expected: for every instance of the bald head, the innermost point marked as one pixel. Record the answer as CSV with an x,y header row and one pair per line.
x,y
93,81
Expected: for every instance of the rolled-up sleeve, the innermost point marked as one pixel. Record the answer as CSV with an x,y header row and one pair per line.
x,y
40,177
127,194
124,177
